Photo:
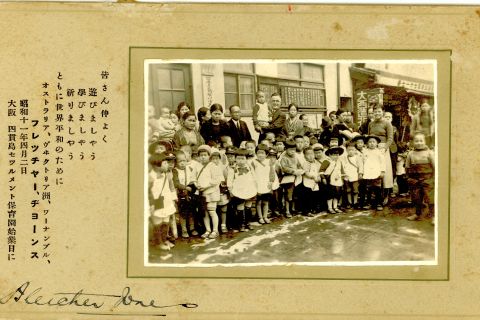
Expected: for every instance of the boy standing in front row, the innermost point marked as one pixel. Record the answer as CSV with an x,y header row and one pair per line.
x,y
373,170
420,166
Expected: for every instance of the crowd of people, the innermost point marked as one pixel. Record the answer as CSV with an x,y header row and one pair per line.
x,y
216,179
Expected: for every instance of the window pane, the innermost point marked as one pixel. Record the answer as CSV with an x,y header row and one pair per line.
x,y
246,84
246,102
163,76
165,99
178,96
178,81
238,67
230,99
312,72
230,83
291,70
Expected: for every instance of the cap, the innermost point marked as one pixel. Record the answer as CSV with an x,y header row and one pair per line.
x,y
334,150
230,150
317,146
204,147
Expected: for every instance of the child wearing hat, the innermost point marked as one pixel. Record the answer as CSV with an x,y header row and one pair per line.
x,y
420,167
243,188
222,204
335,173
277,196
373,171
162,198
360,146
292,172
208,182
264,175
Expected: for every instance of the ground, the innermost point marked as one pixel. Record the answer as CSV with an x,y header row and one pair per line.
x,y
366,235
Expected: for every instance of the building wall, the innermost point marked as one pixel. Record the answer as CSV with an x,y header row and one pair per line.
x,y
419,71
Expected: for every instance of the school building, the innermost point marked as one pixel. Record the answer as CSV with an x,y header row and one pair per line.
x,y
317,88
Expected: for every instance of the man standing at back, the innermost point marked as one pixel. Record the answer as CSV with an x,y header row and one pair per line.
x,y
237,128
278,118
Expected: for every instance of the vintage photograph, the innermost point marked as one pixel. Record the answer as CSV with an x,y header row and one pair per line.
x,y
273,162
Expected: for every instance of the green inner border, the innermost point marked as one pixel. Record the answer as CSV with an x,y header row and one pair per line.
x,y
199,270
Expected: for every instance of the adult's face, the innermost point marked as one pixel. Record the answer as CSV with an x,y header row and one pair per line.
x,y
276,102
377,114
370,114
190,122
292,112
217,116
235,113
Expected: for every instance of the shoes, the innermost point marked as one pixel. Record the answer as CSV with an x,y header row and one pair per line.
x,y
338,210
205,235
393,195
242,229
385,201
163,246
185,234
310,214
194,232
332,211
213,235
379,208
288,215
224,228
261,221
267,221
367,207
413,217
170,244
236,231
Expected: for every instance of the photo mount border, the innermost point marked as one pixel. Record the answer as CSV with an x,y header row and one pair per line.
x,y
441,271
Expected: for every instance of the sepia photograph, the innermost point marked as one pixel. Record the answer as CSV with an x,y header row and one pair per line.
x,y
275,162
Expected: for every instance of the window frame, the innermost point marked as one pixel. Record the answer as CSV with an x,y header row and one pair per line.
x,y
244,113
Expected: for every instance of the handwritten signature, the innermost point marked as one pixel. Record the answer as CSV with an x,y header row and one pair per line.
x,y
34,296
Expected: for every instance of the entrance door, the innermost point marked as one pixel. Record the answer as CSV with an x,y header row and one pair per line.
x,y
170,85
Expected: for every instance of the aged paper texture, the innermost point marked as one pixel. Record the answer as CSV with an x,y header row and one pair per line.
x,y
75,249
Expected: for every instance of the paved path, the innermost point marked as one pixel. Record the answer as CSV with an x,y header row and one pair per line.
x,y
354,236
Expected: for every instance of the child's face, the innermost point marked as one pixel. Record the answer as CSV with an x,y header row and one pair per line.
x,y
377,114
270,136
188,152
171,164
305,122
280,147
231,159
318,154
306,142
203,157
215,159
261,155
164,113
333,143
419,141
227,142
372,143
309,155
217,116
181,161
261,97
360,144
388,116
174,118
250,148
241,161
334,156
299,144
351,151
291,152
159,148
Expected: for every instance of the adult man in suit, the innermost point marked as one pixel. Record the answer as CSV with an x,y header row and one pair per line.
x,y
278,117
237,128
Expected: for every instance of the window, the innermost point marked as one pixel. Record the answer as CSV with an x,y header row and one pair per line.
x,y
239,90
301,83
170,85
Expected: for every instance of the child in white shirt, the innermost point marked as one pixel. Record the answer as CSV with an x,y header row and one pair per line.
x,y
373,170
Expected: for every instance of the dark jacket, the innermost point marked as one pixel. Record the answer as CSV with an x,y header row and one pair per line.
x,y
238,135
211,132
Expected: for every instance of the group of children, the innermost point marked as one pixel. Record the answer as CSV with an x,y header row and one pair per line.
x,y
220,188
